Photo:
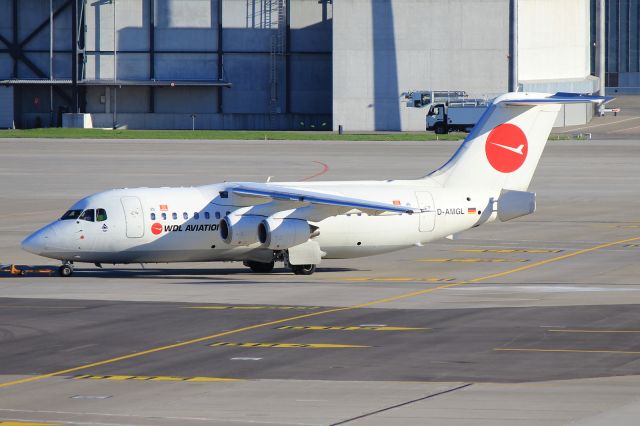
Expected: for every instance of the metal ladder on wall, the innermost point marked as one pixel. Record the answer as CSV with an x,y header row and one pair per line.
x,y
258,14
278,51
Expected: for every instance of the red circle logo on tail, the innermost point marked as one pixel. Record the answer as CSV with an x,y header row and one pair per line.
x,y
156,228
506,148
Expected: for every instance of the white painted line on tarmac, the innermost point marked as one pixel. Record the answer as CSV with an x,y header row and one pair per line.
x,y
599,125
624,130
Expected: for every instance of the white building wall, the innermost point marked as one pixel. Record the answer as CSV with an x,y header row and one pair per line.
x,y
553,39
383,48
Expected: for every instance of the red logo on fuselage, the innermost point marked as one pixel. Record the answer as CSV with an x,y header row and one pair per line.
x,y
506,148
156,228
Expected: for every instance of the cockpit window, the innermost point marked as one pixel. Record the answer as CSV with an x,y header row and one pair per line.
x,y
101,215
71,214
88,215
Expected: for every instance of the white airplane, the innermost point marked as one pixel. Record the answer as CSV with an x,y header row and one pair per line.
x,y
302,223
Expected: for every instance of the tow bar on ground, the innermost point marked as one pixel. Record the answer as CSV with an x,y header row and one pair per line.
x,y
25,269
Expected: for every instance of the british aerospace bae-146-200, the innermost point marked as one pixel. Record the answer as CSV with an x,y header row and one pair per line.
x,y
303,223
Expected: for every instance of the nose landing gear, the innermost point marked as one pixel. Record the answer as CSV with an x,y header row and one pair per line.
x,y
66,270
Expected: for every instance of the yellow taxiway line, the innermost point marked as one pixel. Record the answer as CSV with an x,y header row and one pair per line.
x,y
348,328
397,279
12,423
473,260
586,351
507,251
285,345
154,378
314,314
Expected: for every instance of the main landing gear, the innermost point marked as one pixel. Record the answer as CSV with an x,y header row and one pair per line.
x,y
303,269
66,270
280,256
259,267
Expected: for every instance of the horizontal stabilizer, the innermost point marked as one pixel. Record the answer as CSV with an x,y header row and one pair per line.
x,y
558,98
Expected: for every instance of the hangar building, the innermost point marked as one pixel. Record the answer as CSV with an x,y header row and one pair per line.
x,y
290,64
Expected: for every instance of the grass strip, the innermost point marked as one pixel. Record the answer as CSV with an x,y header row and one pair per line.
x,y
62,133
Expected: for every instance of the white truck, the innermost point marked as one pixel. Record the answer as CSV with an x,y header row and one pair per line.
x,y
455,116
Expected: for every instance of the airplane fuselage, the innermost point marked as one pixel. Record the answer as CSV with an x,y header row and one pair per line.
x,y
154,225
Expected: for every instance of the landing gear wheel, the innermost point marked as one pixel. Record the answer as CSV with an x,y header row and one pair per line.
x,y
303,269
260,267
440,129
65,270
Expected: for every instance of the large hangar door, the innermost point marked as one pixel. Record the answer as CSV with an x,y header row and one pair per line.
x,y
6,107
133,216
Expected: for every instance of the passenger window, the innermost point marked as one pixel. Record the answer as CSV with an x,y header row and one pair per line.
x,y
153,216
217,215
196,215
88,215
206,215
174,215
101,215
164,216
185,215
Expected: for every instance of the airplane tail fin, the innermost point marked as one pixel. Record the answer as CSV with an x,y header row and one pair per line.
x,y
503,150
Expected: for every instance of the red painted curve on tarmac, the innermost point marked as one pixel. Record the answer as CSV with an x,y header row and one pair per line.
x,y
325,169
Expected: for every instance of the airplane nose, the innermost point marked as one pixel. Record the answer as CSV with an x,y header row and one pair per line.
x,y
36,242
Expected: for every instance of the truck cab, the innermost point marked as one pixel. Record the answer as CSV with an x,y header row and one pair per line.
x,y
443,118
437,118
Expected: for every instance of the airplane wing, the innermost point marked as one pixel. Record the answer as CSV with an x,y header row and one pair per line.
x,y
297,198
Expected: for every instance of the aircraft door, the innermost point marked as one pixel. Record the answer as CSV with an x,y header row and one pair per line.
x,y
134,216
427,219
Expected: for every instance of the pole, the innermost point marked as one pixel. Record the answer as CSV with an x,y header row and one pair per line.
x,y
115,68
152,55
74,58
50,39
601,45
513,45
221,53
51,62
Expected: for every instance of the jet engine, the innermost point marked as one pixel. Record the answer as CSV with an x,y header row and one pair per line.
x,y
240,230
280,234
